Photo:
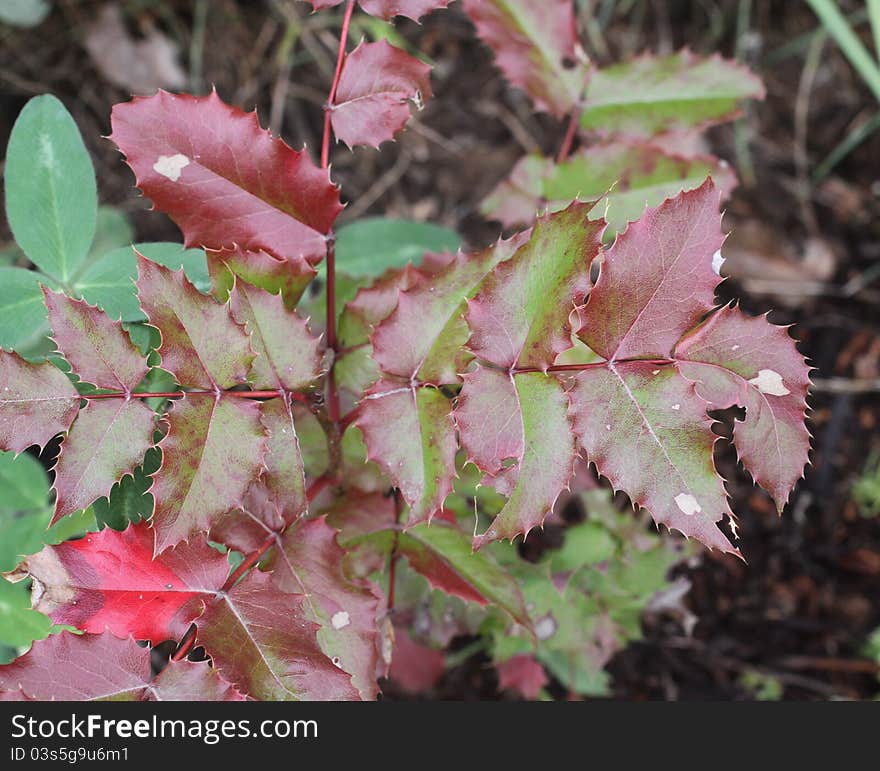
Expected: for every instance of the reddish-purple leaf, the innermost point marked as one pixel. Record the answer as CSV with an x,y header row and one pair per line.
x,y
69,667
647,431
261,270
535,46
213,451
37,401
388,9
520,317
202,345
110,580
522,674
409,432
516,429
261,641
423,337
107,441
415,667
225,181
97,348
377,84
309,562
191,681
287,354
743,360
657,280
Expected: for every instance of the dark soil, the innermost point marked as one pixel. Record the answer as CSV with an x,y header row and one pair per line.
x,y
801,609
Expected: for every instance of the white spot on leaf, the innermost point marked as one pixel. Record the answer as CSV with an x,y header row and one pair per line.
x,y
340,620
734,347
717,262
655,371
688,504
171,165
545,627
676,407
770,382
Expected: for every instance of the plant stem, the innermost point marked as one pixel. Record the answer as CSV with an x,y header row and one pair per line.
x,y
332,390
340,60
394,556
178,394
592,365
568,139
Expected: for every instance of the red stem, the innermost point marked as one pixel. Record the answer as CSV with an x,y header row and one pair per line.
x,y
568,139
186,644
392,568
178,394
340,60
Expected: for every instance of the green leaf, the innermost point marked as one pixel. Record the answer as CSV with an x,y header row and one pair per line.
x,y
652,95
370,246
627,176
24,13
25,511
108,282
130,500
112,231
22,312
19,625
51,194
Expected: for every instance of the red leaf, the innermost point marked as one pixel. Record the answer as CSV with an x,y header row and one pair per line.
x,y
415,667
69,667
202,345
535,46
225,181
522,674
109,580
309,562
377,82
746,361
388,9
261,641
97,348
657,279
37,401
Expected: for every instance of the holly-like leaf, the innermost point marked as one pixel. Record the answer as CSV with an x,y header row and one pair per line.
x,y
37,401
97,348
287,355
743,360
377,84
409,432
657,280
213,451
520,317
261,641
309,562
629,177
535,46
514,424
516,429
647,431
110,580
226,182
69,667
424,335
202,345
651,95
441,552
107,441
388,9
